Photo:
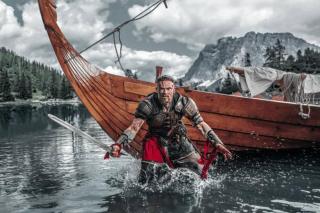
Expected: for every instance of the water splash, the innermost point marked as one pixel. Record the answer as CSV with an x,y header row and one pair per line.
x,y
175,183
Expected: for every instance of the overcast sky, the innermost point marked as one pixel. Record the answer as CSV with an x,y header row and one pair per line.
x,y
169,37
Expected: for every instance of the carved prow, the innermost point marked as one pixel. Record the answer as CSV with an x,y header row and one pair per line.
x,y
48,8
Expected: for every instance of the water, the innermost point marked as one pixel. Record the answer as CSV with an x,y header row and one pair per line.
x,y
45,168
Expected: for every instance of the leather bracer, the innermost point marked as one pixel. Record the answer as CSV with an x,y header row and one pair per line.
x,y
213,138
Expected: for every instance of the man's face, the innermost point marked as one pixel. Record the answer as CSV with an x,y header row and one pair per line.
x,y
165,90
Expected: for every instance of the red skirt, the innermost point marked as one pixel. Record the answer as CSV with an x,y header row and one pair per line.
x,y
152,151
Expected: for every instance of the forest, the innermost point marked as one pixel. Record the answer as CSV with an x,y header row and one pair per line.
x,y
24,79
275,57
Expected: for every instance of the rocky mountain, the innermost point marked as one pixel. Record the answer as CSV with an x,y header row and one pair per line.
x,y
231,51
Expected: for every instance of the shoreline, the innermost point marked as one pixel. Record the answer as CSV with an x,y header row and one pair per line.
x,y
31,102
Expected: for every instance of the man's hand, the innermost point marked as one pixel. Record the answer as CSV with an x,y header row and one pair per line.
x,y
117,146
223,150
116,150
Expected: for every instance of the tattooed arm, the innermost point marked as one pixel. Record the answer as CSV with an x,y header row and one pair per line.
x,y
128,135
208,133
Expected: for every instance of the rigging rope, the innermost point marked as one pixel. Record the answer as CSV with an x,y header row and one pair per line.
x,y
117,29
116,49
294,92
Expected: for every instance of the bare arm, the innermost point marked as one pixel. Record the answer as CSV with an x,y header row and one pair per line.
x,y
129,134
192,113
211,136
208,133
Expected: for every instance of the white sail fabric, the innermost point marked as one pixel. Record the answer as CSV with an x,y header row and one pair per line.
x,y
259,79
295,87
312,84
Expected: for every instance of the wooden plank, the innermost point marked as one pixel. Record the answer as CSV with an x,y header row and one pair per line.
x,y
118,89
254,108
259,127
138,88
131,106
105,77
244,140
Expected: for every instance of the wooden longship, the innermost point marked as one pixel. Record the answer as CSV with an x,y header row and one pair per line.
x,y
242,123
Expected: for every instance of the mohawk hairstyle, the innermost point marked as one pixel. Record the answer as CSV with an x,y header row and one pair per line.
x,y
165,78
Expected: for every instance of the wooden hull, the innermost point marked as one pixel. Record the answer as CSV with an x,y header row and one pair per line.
x,y
242,123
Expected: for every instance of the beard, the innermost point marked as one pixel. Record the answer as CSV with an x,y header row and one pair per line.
x,y
165,100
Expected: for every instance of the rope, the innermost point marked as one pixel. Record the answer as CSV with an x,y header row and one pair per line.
x,y
116,49
141,15
303,115
294,92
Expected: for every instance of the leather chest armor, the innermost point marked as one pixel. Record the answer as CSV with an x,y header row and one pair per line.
x,y
162,122
159,122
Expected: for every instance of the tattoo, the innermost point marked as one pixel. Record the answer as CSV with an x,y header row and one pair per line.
x,y
204,128
136,124
133,129
200,127
208,133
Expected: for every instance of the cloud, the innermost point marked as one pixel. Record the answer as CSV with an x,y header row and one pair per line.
x,y
82,24
29,39
142,62
200,22
9,27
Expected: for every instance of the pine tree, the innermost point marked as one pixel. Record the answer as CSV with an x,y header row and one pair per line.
x,y
275,56
1,81
65,89
290,64
22,93
53,86
247,60
280,52
270,57
6,87
28,87
309,62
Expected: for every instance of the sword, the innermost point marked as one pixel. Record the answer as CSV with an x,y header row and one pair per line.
x,y
81,133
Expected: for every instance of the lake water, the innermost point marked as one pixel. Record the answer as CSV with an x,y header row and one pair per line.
x,y
45,168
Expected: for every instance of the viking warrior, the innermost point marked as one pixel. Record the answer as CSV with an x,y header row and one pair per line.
x,y
166,141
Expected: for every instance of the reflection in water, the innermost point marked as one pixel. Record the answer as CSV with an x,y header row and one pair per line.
x,y
30,119
45,168
34,164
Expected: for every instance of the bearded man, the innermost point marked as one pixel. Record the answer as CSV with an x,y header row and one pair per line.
x,y
167,141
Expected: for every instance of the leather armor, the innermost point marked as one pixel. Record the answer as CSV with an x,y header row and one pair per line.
x,y
162,123
159,122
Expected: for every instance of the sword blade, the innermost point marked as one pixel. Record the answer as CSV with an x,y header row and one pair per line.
x,y
80,133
